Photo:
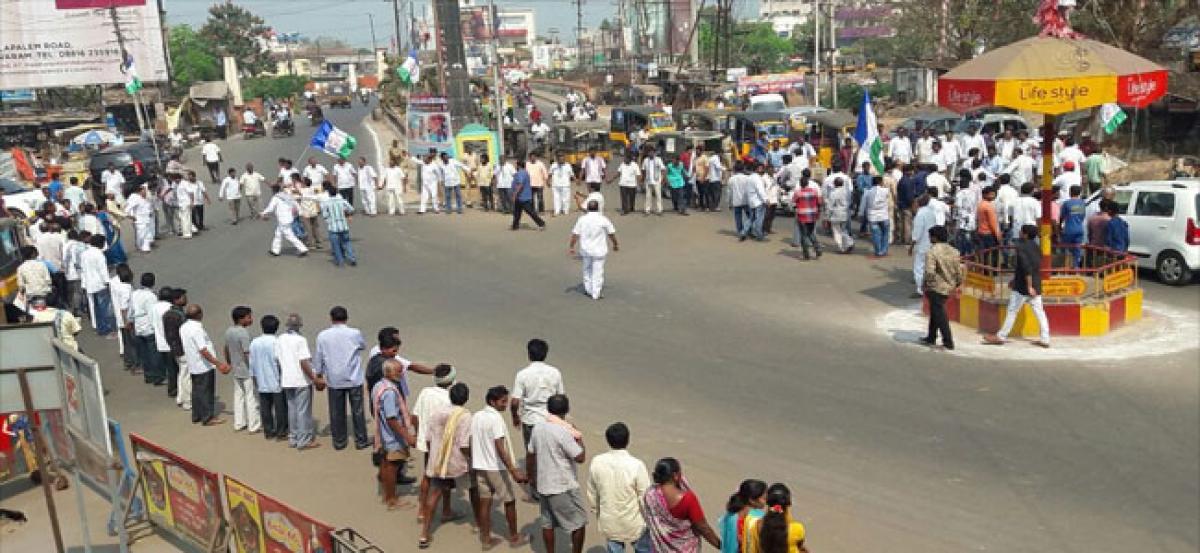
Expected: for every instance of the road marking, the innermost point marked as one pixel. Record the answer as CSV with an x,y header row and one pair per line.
x,y
1162,330
375,140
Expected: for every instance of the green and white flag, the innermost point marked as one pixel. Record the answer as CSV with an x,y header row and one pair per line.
x,y
132,82
1111,116
410,71
870,145
333,141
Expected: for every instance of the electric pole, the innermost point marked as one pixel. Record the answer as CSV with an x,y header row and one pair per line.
x,y
125,57
816,59
497,83
833,93
371,18
396,13
579,32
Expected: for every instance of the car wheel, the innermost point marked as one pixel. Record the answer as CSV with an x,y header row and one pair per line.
x,y
1172,269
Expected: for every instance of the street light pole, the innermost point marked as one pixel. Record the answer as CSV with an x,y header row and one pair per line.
x,y
497,93
816,64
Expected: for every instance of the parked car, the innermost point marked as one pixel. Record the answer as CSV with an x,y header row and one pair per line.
x,y
134,160
1164,226
20,202
938,122
993,124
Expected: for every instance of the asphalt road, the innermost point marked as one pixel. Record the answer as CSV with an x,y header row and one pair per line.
x,y
736,358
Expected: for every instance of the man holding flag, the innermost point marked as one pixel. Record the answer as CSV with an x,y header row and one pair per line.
x,y
870,145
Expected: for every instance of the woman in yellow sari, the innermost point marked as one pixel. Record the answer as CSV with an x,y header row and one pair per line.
x,y
776,531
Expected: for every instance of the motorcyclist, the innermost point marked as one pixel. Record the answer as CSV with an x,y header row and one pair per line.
x,y
315,113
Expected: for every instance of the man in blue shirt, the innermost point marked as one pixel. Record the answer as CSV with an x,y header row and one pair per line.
x,y
339,360
906,193
55,187
522,193
1072,214
1116,234
264,368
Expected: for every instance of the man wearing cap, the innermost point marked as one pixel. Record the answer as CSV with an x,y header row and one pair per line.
x,y
297,379
1067,178
66,326
1073,155
429,401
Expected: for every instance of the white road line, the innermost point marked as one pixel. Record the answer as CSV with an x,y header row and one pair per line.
x,y
1162,330
375,140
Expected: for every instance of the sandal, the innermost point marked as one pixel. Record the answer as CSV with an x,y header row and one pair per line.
x,y
423,543
492,543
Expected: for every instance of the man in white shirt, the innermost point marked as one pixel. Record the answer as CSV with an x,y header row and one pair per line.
x,y
1073,155
249,118
495,468
230,190
201,360
212,159
591,234
951,154
803,153
1027,211
114,182
76,194
297,380
716,176
251,182
346,178
593,169
451,175
141,210
283,206
924,220
533,387
187,195
561,177
971,141
367,186
93,269
430,400
1006,144
627,181
393,185
1020,168
504,180
315,172
616,483
1066,179
540,131
141,314
431,178
653,171
756,200
925,147
900,148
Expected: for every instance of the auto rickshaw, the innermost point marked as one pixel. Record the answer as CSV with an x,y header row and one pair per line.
x,y
517,142
704,119
744,128
670,145
626,120
575,139
826,130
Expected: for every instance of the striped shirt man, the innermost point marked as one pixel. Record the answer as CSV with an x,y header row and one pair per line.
x,y
334,210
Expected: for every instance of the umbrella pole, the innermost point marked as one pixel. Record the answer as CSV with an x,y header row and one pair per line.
x,y
1049,131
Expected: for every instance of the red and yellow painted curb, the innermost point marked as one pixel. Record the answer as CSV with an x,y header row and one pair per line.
x,y
1090,317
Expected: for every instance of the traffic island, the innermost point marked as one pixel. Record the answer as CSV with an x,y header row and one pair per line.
x,y
1098,297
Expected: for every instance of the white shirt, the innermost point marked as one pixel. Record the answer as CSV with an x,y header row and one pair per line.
x,y
593,230
875,203
429,401
343,174
1065,181
534,386
616,483
504,178
120,292
561,175
431,174
951,152
141,311
1021,169
715,169
211,152
1005,146
653,168
93,270
593,197
252,183
113,182
160,335
393,178
187,194
938,181
924,220
925,149
941,210
900,149
627,174
230,189
315,173
756,192
593,169
450,172
972,142
1006,202
140,209
195,340
1027,211
249,117
487,425
283,207
366,177
1075,155
540,130
290,349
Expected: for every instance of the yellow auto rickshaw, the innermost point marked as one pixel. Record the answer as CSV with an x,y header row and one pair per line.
x,y
827,130
746,127
670,145
574,140
704,119
627,120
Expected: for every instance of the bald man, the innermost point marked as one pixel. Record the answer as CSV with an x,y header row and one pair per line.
x,y
201,359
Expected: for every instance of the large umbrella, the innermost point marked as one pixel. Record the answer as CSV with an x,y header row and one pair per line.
x,y
96,138
1053,76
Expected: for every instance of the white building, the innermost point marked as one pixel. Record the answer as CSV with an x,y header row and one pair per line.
x,y
785,15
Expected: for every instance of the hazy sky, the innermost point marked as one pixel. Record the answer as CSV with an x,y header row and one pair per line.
x,y
313,18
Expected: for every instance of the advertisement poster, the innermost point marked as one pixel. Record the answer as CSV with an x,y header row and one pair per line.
x,y
180,496
51,43
83,393
778,83
263,525
476,24
16,441
428,125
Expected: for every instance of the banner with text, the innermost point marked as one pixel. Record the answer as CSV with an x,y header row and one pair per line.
x,y
46,43
428,125
262,524
181,497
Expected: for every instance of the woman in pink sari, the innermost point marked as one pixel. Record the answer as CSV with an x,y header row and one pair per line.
x,y
673,515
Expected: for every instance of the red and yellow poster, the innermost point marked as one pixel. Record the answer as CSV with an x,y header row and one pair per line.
x,y
181,497
264,525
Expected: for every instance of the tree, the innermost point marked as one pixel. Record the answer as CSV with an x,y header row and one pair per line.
x,y
191,58
925,31
234,31
755,45
1134,25
274,87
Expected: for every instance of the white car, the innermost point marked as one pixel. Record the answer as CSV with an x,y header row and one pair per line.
x,y
19,198
1164,226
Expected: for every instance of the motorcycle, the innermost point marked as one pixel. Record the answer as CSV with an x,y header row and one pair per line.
x,y
283,128
316,117
252,130
366,98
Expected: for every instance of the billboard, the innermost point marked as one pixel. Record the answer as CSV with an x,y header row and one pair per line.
x,y
476,23
262,524
428,125
46,43
181,497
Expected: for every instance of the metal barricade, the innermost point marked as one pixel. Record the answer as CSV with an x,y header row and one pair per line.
x,y
1102,273
348,540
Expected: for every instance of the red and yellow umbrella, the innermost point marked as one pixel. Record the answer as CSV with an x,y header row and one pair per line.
x,y
1052,76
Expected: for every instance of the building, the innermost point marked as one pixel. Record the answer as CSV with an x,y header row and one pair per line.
x,y
864,19
517,29
785,15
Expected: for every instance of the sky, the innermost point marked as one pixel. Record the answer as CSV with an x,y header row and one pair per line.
x,y
312,18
